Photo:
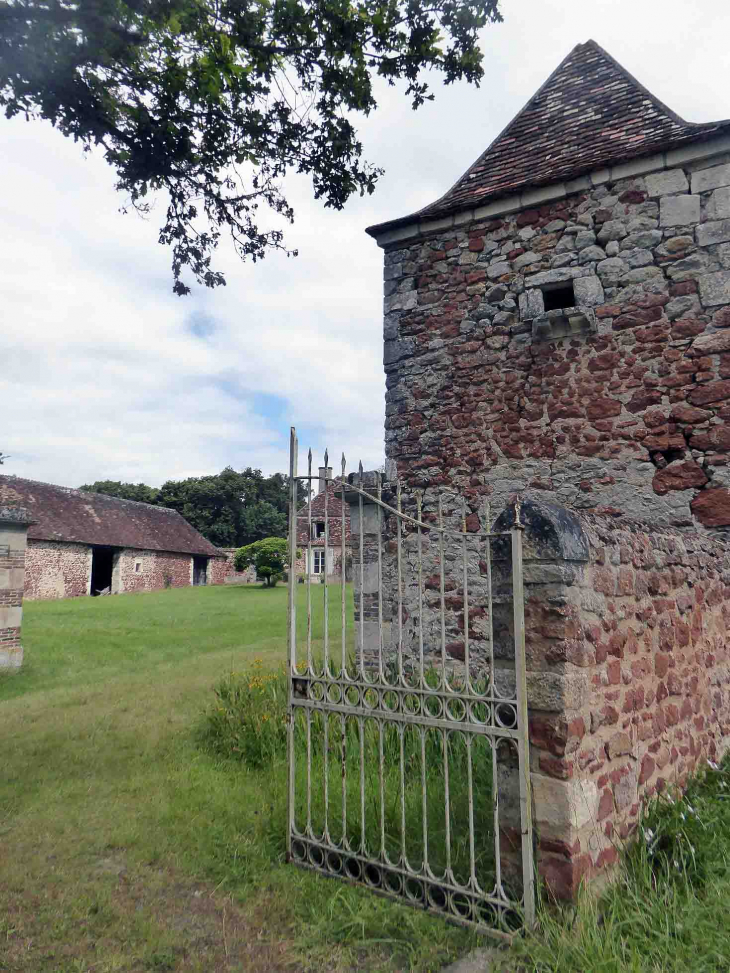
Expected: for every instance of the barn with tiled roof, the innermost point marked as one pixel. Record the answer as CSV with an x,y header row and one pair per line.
x,y
88,543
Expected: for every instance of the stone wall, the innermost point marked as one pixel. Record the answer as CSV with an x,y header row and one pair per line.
x,y
221,570
63,570
151,570
628,681
14,523
628,414
57,570
614,409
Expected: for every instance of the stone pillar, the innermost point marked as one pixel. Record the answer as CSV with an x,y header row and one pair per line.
x,y
565,804
366,588
14,523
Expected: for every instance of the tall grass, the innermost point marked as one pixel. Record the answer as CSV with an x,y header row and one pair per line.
x,y
377,788
668,910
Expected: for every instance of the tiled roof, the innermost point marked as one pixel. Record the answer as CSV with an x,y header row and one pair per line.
x,y
589,113
62,514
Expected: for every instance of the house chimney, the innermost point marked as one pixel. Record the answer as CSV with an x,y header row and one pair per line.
x,y
324,472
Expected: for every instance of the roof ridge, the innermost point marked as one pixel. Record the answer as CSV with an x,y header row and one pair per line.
x,y
87,493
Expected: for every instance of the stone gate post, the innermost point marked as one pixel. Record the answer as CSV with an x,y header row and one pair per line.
x,y
14,523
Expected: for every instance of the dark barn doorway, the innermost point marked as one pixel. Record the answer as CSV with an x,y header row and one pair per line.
x,y
200,570
102,566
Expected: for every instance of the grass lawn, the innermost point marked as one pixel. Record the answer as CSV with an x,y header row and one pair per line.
x,y
127,846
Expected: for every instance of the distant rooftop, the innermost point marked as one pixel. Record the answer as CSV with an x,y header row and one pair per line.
x,y
589,113
62,514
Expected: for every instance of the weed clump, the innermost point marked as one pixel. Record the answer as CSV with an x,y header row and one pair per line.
x,y
247,722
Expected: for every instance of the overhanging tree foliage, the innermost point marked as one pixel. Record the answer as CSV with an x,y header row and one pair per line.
x,y
212,102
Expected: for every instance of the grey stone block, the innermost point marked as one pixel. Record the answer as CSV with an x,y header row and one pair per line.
x,y
563,804
681,305
591,253
664,183
643,239
588,291
394,350
638,257
612,267
715,288
713,178
553,691
585,238
525,259
498,270
718,206
679,210
641,275
554,276
612,230
709,233
532,303
692,267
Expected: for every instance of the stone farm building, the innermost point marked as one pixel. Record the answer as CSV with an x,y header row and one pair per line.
x,y
557,326
323,557
82,543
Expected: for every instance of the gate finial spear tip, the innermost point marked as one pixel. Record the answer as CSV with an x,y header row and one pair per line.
x,y
343,464
326,460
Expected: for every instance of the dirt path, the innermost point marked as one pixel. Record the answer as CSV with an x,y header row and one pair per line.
x,y
147,919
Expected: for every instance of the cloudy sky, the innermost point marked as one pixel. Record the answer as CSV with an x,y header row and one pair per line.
x,y
105,374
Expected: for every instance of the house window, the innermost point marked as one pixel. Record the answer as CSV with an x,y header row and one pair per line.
x,y
319,529
319,562
558,296
137,567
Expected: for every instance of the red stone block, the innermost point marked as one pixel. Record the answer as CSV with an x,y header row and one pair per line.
x,y
605,806
644,316
680,475
712,507
712,392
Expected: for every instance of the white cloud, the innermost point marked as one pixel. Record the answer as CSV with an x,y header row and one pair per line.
x,y
101,374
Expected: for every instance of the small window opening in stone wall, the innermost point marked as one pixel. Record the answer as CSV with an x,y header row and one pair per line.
x,y
137,567
319,529
558,296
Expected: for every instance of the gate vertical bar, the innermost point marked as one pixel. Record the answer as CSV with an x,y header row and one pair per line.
x,y
518,600
292,624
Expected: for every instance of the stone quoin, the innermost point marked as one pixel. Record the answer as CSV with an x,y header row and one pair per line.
x,y
557,327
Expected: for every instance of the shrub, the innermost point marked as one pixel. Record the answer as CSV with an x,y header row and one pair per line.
x,y
248,720
268,556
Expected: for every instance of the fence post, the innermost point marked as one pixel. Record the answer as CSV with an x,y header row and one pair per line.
x,y
14,523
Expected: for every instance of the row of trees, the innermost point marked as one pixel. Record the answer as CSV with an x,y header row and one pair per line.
x,y
230,508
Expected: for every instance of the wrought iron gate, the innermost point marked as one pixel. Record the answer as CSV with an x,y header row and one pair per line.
x,y
409,763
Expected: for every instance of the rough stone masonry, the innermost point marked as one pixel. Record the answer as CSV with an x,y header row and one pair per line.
x,y
558,327
14,522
